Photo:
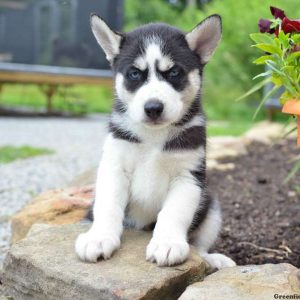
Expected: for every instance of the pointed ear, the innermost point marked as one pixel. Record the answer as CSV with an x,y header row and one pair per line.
x,y
108,39
204,38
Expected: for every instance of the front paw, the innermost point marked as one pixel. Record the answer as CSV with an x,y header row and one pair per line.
x,y
90,247
218,261
167,252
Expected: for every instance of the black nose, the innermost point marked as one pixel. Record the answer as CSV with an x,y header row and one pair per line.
x,y
153,109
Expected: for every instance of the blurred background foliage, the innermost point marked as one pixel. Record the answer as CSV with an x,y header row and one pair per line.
x,y
227,76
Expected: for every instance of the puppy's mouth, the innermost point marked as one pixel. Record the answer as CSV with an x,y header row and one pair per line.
x,y
155,123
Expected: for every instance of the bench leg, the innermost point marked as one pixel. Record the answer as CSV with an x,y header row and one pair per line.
x,y
1,89
49,92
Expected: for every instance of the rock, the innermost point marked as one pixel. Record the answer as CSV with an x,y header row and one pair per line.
x,y
47,255
247,283
215,165
63,206
264,132
224,147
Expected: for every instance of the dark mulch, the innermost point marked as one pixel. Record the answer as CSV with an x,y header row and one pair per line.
x,y
261,214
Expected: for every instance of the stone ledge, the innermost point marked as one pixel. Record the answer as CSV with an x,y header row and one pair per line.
x,y
44,266
247,283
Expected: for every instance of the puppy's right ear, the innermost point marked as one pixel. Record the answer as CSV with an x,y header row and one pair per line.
x,y
108,39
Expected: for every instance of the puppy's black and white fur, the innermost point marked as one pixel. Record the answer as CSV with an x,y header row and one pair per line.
x,y
152,169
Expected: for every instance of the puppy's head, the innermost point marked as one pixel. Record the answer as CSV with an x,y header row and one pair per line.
x,y
158,68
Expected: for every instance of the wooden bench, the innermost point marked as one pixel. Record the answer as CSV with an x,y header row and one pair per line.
x,y
50,78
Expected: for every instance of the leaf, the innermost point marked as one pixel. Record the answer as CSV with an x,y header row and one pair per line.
x,y
265,74
296,38
286,134
269,48
285,130
285,96
293,56
293,172
261,60
265,98
284,39
255,88
261,38
276,80
272,66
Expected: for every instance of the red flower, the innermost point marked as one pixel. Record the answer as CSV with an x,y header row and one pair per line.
x,y
287,25
277,12
265,25
290,26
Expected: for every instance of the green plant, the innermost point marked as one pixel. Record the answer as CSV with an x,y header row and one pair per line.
x,y
280,41
294,171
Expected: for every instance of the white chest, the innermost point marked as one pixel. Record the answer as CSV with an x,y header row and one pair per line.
x,y
150,172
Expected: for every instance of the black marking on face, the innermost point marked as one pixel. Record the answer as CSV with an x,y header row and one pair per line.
x,y
135,78
189,139
172,44
120,133
194,110
119,106
176,76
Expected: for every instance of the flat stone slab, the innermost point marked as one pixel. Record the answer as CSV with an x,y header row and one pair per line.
x,y
247,283
44,266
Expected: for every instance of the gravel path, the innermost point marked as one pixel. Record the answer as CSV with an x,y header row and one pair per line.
x,y
77,144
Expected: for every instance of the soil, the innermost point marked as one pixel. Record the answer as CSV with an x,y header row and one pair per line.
x,y
261,214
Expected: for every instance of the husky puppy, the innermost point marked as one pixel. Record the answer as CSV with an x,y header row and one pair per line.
x,y
152,171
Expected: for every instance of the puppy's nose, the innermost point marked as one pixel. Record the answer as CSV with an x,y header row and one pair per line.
x,y
153,109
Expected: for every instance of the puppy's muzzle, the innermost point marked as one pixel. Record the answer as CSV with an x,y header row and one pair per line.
x,y
153,109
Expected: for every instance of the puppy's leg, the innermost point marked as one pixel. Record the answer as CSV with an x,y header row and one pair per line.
x,y
205,236
169,245
103,238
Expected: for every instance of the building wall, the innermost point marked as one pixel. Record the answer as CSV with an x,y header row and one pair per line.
x,y
56,32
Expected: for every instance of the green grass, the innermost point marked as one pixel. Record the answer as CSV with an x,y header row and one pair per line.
x,y
11,153
228,128
97,99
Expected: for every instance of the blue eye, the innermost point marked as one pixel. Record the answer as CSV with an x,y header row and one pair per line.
x,y
174,72
134,74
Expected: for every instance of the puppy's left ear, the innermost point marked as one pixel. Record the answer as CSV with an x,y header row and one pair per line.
x,y
204,38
